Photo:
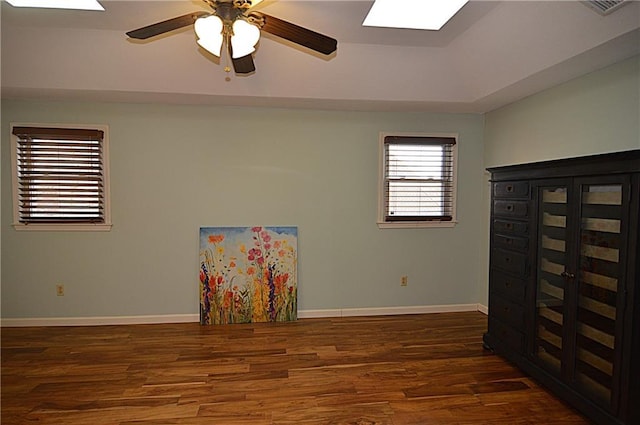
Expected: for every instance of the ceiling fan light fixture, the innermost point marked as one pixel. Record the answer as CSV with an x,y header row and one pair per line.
x,y
209,32
244,39
230,23
251,3
424,15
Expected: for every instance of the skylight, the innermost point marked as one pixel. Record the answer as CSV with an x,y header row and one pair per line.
x,y
58,4
422,15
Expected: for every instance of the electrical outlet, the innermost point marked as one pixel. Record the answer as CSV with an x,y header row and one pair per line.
x,y
404,280
60,290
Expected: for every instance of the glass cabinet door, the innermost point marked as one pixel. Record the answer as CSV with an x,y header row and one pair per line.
x,y
601,238
551,267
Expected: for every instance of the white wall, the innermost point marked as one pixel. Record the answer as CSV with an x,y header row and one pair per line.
x,y
597,113
176,168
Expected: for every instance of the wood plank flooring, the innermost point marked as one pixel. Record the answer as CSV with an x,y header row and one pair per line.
x,y
415,369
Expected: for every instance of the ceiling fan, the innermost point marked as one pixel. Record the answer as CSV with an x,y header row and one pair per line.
x,y
232,23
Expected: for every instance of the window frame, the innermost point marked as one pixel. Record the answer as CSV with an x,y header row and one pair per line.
x,y
382,221
61,226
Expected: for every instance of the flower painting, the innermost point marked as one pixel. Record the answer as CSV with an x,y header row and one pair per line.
x,y
248,274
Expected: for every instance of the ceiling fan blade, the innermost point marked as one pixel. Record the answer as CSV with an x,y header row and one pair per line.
x,y
165,26
297,34
243,65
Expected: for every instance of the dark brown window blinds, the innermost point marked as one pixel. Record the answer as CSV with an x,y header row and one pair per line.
x,y
419,178
60,175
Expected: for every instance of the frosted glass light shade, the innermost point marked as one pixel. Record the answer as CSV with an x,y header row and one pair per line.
x,y
245,37
209,32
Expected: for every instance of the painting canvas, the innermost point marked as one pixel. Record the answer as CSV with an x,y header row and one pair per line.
x,y
248,274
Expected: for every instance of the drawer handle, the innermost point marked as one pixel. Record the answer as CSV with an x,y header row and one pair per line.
x,y
507,284
509,207
507,259
509,241
506,309
509,226
568,275
510,188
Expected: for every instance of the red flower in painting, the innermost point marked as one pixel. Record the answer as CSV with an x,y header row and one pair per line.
x,y
253,254
228,298
216,238
280,281
256,229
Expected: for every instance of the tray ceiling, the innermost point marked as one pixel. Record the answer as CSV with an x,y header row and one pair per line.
x,y
490,54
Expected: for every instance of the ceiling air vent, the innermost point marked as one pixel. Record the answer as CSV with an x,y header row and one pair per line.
x,y
604,7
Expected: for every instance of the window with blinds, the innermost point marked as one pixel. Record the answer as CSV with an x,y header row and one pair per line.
x,y
60,176
418,183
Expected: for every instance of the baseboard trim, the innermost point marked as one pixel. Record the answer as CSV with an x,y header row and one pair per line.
x,y
100,321
190,318
387,311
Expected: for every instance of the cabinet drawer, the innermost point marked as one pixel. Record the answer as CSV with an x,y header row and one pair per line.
x,y
510,261
506,311
511,338
507,286
511,227
511,208
511,189
511,242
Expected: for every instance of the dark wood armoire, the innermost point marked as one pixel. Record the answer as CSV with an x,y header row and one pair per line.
x,y
564,297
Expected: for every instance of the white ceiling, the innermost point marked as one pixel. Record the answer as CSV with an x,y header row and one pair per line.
x,y
490,54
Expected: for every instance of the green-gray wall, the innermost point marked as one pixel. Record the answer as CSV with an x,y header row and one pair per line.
x,y
597,113
176,168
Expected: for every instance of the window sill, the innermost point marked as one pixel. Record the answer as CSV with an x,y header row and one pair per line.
x,y
415,224
62,227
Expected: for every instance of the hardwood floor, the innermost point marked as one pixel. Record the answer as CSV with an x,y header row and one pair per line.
x,y
415,369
